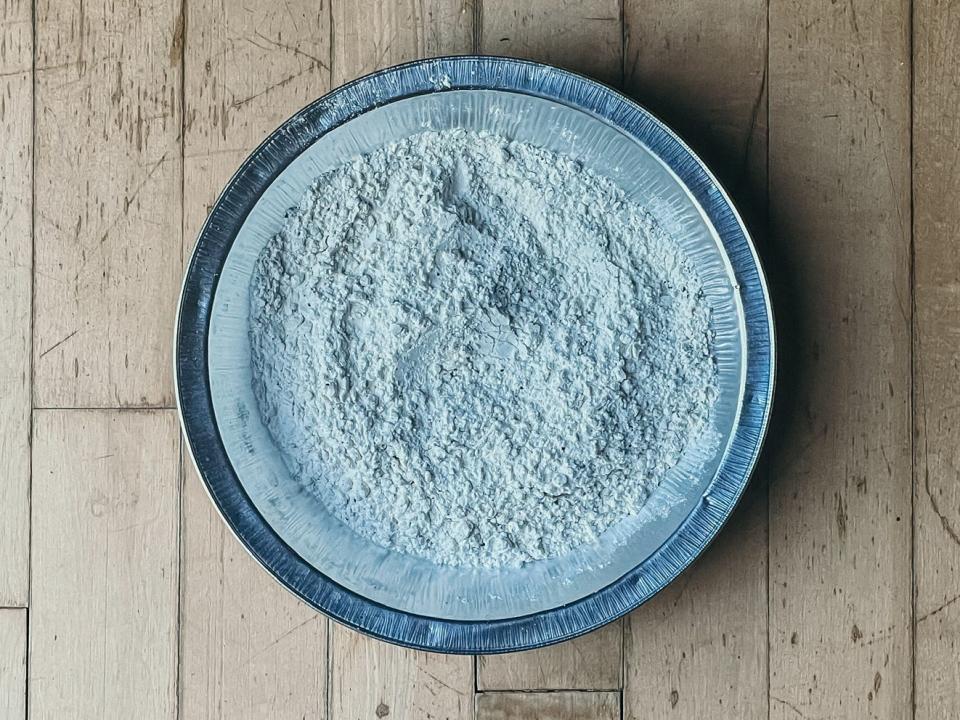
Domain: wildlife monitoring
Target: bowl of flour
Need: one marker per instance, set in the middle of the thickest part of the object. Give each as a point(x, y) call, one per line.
point(474, 355)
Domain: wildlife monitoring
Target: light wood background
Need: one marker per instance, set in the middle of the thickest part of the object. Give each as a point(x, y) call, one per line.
point(833, 593)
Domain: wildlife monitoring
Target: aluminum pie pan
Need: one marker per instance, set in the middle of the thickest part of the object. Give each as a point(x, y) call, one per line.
point(205, 434)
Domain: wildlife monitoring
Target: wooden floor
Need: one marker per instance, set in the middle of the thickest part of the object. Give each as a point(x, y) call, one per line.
point(833, 593)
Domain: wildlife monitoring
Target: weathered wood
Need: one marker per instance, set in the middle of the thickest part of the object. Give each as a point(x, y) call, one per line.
point(369, 678)
point(936, 366)
point(699, 649)
point(108, 263)
point(108, 191)
point(549, 706)
point(248, 648)
point(693, 651)
point(248, 68)
point(13, 664)
point(591, 662)
point(103, 604)
point(16, 217)
point(372, 679)
point(584, 36)
point(840, 595)
point(372, 34)
point(580, 35)
point(701, 67)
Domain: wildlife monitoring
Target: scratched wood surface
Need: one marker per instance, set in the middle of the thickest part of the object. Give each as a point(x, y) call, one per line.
point(840, 502)
point(16, 218)
point(549, 706)
point(580, 35)
point(13, 662)
point(108, 202)
point(701, 646)
point(585, 36)
point(936, 359)
point(372, 34)
point(248, 649)
point(368, 678)
point(589, 663)
point(833, 593)
point(104, 571)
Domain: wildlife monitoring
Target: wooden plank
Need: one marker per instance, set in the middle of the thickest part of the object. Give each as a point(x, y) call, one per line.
point(248, 648)
point(369, 678)
point(699, 649)
point(840, 591)
point(103, 613)
point(108, 192)
point(701, 67)
point(692, 651)
point(373, 34)
point(584, 36)
point(248, 67)
point(16, 217)
point(549, 706)
point(936, 179)
point(580, 35)
point(372, 679)
point(13, 664)
point(591, 662)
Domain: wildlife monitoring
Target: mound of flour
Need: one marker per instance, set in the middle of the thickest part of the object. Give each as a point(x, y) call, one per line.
point(475, 351)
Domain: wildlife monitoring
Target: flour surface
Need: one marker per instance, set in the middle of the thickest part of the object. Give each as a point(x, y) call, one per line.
point(475, 351)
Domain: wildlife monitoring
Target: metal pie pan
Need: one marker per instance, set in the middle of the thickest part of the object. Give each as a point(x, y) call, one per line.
point(406, 600)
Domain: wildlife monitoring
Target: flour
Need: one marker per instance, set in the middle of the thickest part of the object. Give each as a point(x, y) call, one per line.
point(475, 351)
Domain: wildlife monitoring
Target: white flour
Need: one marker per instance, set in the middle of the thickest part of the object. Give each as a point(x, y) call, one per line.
point(477, 352)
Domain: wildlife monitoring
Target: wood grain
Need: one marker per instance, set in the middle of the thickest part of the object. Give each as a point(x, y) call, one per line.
point(549, 706)
point(372, 679)
point(103, 613)
point(248, 67)
point(936, 366)
point(702, 68)
point(372, 34)
point(13, 664)
point(840, 598)
point(248, 648)
point(584, 36)
point(16, 217)
point(109, 247)
point(591, 662)
point(368, 678)
point(699, 649)
point(579, 35)
point(108, 190)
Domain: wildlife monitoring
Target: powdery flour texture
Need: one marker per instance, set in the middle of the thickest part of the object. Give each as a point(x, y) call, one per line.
point(476, 351)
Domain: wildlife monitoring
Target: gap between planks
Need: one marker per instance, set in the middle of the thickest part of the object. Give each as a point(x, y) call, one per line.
point(550, 691)
point(108, 408)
